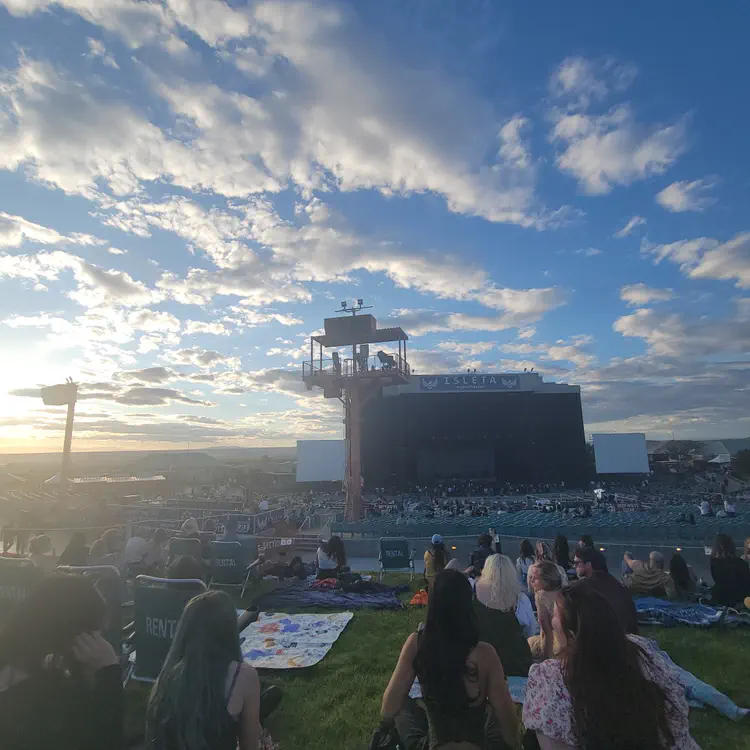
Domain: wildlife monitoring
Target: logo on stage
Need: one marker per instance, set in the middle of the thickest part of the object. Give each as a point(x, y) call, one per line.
point(470, 383)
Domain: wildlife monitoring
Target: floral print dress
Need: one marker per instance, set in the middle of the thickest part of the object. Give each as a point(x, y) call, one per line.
point(548, 708)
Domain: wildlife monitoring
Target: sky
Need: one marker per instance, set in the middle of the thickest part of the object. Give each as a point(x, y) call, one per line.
point(189, 187)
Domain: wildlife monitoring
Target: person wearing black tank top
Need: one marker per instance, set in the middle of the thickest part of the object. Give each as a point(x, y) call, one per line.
point(468, 705)
point(205, 695)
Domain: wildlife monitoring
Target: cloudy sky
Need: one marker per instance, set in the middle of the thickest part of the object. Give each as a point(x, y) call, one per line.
point(187, 187)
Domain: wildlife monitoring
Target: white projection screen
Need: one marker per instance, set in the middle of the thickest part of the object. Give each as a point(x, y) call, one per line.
point(321, 460)
point(621, 453)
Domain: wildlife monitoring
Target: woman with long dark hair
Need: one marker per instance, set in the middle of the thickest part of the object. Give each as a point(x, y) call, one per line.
point(524, 561)
point(459, 677)
point(436, 557)
point(561, 552)
point(205, 697)
point(76, 552)
point(60, 683)
point(331, 557)
point(685, 582)
point(605, 689)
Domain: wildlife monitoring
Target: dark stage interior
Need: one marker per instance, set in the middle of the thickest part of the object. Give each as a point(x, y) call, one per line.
point(520, 437)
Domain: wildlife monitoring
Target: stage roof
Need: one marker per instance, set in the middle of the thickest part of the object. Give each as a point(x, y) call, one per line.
point(107, 480)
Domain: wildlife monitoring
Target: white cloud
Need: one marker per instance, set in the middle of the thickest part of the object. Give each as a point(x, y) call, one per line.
point(638, 295)
point(686, 196)
point(707, 258)
point(602, 151)
point(212, 328)
point(589, 252)
point(16, 231)
point(467, 348)
point(574, 350)
point(98, 50)
point(580, 82)
point(632, 223)
point(208, 359)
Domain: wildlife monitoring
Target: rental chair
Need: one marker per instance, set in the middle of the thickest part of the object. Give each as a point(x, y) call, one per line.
point(395, 556)
point(18, 577)
point(227, 565)
point(179, 547)
point(159, 603)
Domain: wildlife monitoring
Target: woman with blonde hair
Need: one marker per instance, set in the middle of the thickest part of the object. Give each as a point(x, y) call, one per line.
point(544, 582)
point(504, 614)
point(542, 552)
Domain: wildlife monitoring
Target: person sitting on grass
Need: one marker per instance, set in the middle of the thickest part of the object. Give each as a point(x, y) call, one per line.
point(187, 567)
point(206, 696)
point(606, 689)
point(107, 549)
point(561, 553)
point(543, 552)
point(331, 557)
point(544, 583)
point(685, 581)
point(40, 548)
point(435, 559)
point(504, 614)
point(648, 579)
point(480, 554)
point(524, 561)
point(60, 681)
point(731, 574)
point(460, 676)
point(592, 572)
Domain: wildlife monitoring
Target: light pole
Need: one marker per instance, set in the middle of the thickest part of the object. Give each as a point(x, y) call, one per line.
point(64, 394)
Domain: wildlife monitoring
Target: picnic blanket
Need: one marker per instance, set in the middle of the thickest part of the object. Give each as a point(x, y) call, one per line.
point(282, 641)
point(653, 611)
point(301, 594)
point(699, 694)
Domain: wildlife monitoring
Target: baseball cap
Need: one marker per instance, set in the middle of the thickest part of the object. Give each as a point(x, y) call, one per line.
point(437, 539)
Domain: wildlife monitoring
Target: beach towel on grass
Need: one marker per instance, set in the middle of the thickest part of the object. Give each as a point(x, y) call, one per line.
point(652, 611)
point(282, 641)
point(301, 595)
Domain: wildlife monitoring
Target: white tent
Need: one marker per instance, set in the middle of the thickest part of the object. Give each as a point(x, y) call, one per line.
point(722, 458)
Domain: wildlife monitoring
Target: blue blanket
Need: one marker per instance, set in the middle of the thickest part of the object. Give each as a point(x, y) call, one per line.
point(300, 595)
point(652, 611)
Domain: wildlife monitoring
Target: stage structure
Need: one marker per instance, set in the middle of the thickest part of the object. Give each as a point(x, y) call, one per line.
point(355, 379)
point(64, 394)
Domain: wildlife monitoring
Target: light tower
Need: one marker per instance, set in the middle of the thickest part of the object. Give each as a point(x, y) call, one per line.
point(355, 379)
point(64, 394)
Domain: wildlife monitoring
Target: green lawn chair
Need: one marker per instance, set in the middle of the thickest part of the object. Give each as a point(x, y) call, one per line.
point(395, 556)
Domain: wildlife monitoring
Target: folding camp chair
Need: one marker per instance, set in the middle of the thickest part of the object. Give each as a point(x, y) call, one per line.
point(395, 556)
point(181, 547)
point(18, 577)
point(228, 566)
point(159, 603)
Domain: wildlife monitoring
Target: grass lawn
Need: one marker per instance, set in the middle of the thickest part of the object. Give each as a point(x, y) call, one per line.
point(335, 705)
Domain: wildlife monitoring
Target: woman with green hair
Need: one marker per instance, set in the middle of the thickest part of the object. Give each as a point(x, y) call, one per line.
point(206, 697)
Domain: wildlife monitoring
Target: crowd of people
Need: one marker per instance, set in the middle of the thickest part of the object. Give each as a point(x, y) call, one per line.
point(554, 614)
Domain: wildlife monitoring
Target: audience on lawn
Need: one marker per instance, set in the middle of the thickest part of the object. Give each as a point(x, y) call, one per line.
point(460, 677)
point(684, 579)
point(592, 572)
point(76, 552)
point(206, 696)
point(331, 557)
point(481, 553)
point(504, 614)
point(561, 553)
point(40, 549)
point(187, 567)
point(731, 574)
point(107, 549)
point(60, 684)
point(544, 583)
point(605, 689)
point(524, 561)
point(435, 559)
point(648, 579)
point(543, 552)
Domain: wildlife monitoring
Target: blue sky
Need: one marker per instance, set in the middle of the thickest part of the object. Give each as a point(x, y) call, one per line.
point(188, 187)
